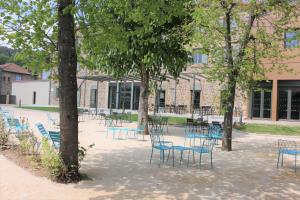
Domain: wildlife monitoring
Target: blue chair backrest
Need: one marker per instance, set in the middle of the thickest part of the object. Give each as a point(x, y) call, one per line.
point(42, 129)
point(13, 122)
point(156, 137)
point(208, 143)
point(215, 129)
point(55, 136)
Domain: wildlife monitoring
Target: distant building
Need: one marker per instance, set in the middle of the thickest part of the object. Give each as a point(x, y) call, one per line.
point(10, 73)
point(35, 92)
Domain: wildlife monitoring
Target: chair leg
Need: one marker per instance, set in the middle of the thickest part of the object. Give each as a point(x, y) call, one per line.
point(188, 161)
point(181, 152)
point(194, 157)
point(151, 156)
point(168, 155)
point(278, 159)
point(295, 163)
point(211, 164)
point(163, 155)
point(173, 157)
point(281, 159)
point(160, 156)
point(200, 160)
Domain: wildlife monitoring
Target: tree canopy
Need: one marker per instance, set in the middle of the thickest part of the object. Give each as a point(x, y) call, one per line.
point(239, 36)
point(145, 39)
point(128, 37)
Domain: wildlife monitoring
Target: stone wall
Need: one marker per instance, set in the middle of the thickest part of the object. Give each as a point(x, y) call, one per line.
point(8, 78)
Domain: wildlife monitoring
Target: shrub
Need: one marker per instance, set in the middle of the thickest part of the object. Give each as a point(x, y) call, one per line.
point(51, 160)
point(4, 135)
point(57, 169)
point(28, 143)
point(82, 152)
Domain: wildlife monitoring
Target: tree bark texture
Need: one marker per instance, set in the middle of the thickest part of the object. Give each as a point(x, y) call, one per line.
point(143, 101)
point(230, 87)
point(68, 88)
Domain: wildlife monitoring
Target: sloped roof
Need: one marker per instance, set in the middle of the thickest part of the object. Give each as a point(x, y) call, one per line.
point(14, 68)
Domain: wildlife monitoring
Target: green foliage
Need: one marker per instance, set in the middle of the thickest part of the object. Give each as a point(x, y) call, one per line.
point(31, 28)
point(128, 38)
point(51, 160)
point(4, 135)
point(254, 37)
point(48, 109)
point(8, 55)
point(82, 151)
point(28, 143)
point(270, 129)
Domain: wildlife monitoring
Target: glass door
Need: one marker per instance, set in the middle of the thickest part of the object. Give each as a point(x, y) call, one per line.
point(125, 96)
point(295, 104)
point(267, 104)
point(256, 104)
point(262, 104)
point(112, 95)
point(283, 104)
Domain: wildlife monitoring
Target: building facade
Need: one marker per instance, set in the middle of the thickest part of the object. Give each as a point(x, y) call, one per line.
point(9, 73)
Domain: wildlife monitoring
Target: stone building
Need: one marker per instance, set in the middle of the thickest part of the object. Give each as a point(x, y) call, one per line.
point(9, 73)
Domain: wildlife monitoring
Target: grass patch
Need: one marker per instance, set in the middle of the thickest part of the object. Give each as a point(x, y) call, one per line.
point(48, 109)
point(171, 120)
point(134, 117)
point(270, 129)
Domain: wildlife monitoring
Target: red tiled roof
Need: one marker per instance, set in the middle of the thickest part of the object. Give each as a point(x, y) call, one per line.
point(14, 68)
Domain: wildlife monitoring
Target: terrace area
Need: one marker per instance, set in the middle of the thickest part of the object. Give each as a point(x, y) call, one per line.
point(120, 169)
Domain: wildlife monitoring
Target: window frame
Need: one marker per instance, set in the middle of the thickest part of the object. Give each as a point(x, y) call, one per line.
point(289, 44)
point(18, 77)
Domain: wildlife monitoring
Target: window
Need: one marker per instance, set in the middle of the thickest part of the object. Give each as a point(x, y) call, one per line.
point(196, 97)
point(291, 39)
point(199, 58)
point(8, 79)
point(57, 92)
point(18, 77)
point(4, 78)
point(45, 75)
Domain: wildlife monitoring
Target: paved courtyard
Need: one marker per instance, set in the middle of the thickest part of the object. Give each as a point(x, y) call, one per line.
point(120, 169)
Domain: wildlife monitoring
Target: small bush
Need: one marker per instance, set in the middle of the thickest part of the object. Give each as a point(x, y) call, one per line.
point(3, 138)
point(28, 143)
point(4, 135)
point(82, 152)
point(51, 160)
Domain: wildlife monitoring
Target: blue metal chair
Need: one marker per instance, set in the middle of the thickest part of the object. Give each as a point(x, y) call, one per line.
point(42, 130)
point(15, 126)
point(289, 148)
point(158, 143)
point(206, 147)
point(181, 149)
point(111, 127)
point(53, 136)
point(140, 129)
point(215, 132)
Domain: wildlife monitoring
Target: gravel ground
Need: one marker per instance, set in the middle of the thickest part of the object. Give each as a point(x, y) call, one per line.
point(120, 169)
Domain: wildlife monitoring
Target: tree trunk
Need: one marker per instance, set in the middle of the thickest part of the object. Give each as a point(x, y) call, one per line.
point(231, 83)
point(228, 116)
point(143, 101)
point(68, 89)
